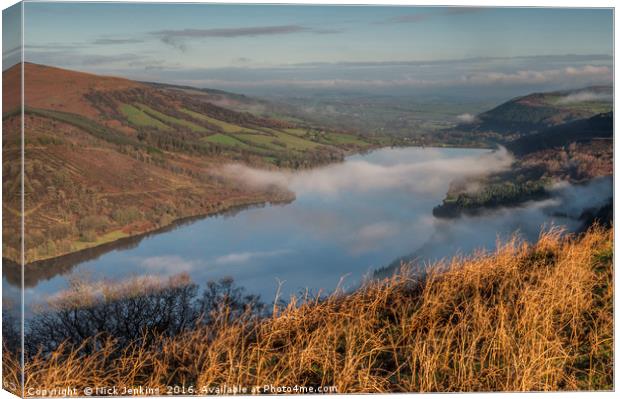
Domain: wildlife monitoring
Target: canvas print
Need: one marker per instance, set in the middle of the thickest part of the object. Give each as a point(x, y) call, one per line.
point(218, 199)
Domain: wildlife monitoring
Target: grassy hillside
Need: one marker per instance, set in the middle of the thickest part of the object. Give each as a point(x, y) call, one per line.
point(522, 318)
point(537, 111)
point(110, 157)
point(179, 119)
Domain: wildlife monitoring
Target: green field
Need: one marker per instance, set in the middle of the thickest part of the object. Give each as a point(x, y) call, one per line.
point(102, 132)
point(295, 142)
point(223, 139)
point(262, 140)
point(170, 119)
point(225, 126)
point(340, 138)
point(137, 117)
point(297, 131)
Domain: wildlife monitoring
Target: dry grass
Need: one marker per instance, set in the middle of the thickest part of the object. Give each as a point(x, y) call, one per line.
point(523, 318)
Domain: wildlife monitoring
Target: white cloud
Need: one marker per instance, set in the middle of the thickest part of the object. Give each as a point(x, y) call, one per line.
point(585, 96)
point(245, 257)
point(537, 77)
point(167, 264)
point(466, 118)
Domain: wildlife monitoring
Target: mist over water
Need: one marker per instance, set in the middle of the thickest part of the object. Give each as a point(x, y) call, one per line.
point(425, 174)
point(347, 221)
point(565, 210)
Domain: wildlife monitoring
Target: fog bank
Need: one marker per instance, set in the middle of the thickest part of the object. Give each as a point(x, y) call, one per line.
point(422, 176)
point(466, 234)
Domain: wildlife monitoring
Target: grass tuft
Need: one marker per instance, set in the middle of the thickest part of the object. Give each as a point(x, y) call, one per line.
point(526, 317)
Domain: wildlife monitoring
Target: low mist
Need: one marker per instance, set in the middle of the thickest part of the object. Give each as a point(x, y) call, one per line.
point(421, 176)
point(469, 233)
point(585, 96)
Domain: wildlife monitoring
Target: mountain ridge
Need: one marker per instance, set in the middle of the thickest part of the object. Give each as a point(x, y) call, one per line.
point(530, 113)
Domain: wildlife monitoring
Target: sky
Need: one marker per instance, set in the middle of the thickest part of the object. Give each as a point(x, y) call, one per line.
point(254, 48)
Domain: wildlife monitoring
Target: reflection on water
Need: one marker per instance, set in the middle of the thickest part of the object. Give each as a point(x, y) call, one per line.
point(49, 268)
point(347, 229)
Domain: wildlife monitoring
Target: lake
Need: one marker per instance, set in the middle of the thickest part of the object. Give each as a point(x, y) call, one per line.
point(347, 221)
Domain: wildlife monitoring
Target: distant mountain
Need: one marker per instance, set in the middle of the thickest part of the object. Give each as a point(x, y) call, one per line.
point(600, 126)
point(537, 111)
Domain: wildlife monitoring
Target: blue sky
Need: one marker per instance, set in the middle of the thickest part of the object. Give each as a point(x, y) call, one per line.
point(248, 46)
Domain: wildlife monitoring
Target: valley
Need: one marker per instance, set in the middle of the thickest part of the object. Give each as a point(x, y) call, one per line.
point(112, 158)
point(284, 198)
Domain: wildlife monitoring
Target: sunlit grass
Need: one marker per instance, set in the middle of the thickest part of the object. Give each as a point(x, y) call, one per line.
point(225, 126)
point(170, 119)
point(521, 318)
point(102, 239)
point(137, 117)
point(224, 139)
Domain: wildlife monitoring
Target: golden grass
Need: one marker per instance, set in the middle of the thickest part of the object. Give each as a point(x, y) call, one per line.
point(523, 318)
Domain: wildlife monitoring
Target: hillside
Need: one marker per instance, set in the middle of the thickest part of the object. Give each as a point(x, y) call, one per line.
point(109, 158)
point(525, 317)
point(574, 152)
point(598, 127)
point(239, 102)
point(537, 111)
point(562, 136)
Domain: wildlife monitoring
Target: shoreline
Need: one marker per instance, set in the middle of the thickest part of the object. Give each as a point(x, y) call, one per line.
point(175, 223)
point(101, 247)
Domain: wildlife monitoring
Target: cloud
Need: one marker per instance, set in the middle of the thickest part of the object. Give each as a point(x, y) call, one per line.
point(584, 96)
point(167, 264)
point(176, 38)
point(466, 118)
point(245, 257)
point(173, 264)
point(106, 41)
point(425, 176)
point(231, 32)
point(83, 292)
point(587, 70)
point(537, 77)
point(529, 72)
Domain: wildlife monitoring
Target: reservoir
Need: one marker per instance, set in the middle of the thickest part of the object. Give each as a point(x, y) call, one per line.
point(347, 221)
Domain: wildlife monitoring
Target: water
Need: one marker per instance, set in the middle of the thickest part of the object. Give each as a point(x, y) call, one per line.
point(362, 215)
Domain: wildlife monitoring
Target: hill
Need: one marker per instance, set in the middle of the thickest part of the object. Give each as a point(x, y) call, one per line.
point(109, 157)
point(575, 152)
point(600, 126)
point(537, 111)
point(525, 317)
point(240, 102)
